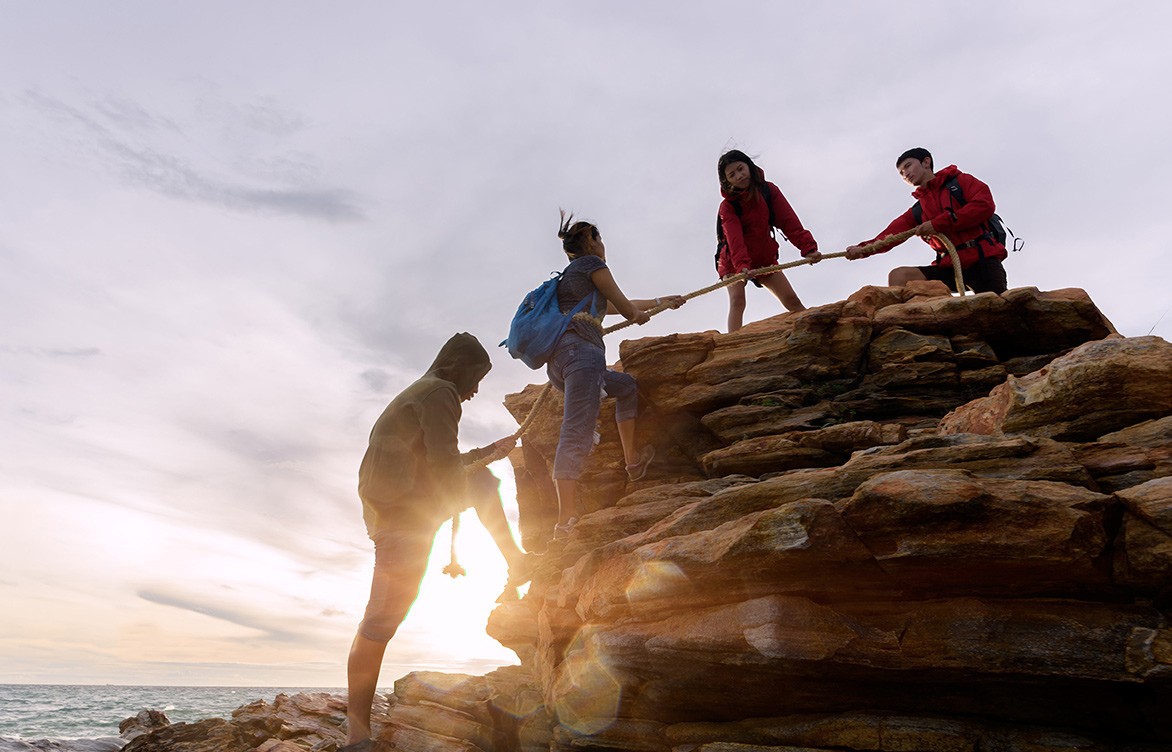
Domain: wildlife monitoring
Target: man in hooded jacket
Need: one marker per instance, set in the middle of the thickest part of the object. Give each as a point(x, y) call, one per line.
point(411, 480)
point(965, 224)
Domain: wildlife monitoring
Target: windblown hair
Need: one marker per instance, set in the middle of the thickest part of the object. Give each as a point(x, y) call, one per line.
point(575, 234)
point(736, 155)
point(919, 154)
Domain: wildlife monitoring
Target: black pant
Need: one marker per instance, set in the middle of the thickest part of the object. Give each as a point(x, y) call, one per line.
point(987, 275)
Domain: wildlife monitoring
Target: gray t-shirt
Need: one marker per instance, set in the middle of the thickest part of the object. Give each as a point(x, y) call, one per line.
point(575, 284)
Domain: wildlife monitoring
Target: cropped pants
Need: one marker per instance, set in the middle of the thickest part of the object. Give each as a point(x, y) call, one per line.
point(578, 369)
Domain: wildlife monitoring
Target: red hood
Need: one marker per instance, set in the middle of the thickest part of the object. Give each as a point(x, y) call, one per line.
point(937, 180)
point(738, 195)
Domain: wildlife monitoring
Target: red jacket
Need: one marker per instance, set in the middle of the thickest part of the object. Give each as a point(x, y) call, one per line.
point(960, 224)
point(751, 244)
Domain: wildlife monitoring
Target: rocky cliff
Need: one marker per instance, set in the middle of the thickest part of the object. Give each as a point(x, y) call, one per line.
point(905, 521)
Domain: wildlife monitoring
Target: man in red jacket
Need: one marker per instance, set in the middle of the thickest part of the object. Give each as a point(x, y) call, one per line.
point(955, 205)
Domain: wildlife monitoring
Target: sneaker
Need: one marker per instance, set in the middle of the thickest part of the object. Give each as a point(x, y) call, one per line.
point(562, 530)
point(639, 469)
point(522, 572)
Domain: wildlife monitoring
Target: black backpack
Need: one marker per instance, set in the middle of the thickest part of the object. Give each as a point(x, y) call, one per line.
point(994, 228)
point(722, 243)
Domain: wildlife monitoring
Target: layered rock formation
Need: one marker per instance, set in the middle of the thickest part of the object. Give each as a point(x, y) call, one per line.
point(905, 521)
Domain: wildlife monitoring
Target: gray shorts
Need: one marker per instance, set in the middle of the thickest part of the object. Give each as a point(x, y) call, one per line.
point(400, 561)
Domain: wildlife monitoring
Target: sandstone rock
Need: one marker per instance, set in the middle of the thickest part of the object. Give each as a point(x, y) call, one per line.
point(802, 655)
point(822, 447)
point(143, 722)
point(211, 735)
point(948, 532)
point(1152, 434)
point(816, 344)
point(1143, 555)
point(1018, 323)
point(1098, 387)
point(803, 546)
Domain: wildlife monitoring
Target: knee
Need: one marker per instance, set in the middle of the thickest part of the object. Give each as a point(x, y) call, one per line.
point(901, 275)
point(381, 627)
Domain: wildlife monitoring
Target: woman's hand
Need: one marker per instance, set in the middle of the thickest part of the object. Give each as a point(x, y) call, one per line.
point(671, 301)
point(814, 257)
point(854, 252)
point(639, 317)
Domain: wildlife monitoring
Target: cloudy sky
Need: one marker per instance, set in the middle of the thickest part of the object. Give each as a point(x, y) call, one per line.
point(231, 232)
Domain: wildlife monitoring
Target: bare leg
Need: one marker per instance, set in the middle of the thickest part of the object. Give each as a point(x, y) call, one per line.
point(567, 499)
point(780, 286)
point(627, 439)
point(366, 658)
point(901, 275)
point(491, 514)
point(736, 306)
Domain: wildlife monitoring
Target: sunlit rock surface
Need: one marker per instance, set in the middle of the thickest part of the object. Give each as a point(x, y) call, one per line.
point(904, 521)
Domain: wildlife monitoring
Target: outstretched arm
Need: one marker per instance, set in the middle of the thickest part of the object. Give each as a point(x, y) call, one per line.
point(616, 301)
point(902, 223)
point(789, 224)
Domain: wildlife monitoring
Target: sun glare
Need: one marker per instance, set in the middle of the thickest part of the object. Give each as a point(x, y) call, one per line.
point(445, 629)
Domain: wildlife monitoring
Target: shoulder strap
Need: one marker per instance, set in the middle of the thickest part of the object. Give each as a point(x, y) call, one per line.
point(768, 195)
point(953, 188)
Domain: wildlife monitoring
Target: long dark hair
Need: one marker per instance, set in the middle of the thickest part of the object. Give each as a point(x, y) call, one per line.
point(736, 155)
point(575, 234)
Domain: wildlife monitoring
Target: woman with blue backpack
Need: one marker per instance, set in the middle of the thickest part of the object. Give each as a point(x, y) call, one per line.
point(577, 366)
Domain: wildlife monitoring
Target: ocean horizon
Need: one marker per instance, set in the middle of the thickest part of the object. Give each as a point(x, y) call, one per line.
point(31, 712)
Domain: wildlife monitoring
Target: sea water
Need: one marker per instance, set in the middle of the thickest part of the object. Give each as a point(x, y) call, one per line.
point(56, 711)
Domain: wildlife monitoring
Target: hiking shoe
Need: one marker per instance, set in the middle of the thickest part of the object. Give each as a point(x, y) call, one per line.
point(562, 529)
point(522, 572)
point(639, 469)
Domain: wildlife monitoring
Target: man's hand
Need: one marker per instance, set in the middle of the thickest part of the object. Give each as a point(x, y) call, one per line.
point(673, 301)
point(854, 252)
point(814, 257)
point(926, 229)
point(640, 317)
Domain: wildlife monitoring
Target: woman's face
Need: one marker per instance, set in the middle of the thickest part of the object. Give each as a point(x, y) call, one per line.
point(738, 176)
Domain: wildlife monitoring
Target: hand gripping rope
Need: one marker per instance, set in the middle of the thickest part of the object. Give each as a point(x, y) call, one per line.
point(454, 569)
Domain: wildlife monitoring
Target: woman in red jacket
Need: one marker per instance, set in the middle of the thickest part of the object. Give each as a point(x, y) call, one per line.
point(745, 233)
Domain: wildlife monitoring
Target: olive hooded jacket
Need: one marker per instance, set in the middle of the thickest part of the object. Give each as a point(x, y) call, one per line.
point(413, 471)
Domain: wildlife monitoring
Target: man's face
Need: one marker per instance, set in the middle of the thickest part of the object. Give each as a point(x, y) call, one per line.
point(475, 387)
point(914, 171)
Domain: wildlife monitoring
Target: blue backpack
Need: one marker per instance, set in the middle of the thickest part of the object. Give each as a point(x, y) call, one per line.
point(539, 323)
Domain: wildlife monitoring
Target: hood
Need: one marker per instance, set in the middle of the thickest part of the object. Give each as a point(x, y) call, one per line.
point(937, 180)
point(738, 196)
point(463, 361)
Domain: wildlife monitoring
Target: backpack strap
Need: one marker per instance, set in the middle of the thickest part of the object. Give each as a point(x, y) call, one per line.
point(768, 196)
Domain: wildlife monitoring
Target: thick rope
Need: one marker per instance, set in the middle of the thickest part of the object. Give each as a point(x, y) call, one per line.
point(885, 242)
point(455, 570)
